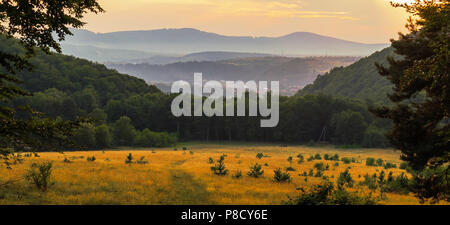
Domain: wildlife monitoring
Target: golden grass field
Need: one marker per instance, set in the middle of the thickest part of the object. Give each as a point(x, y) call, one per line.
point(184, 177)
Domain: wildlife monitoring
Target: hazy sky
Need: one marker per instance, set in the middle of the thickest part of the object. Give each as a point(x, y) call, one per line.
point(368, 21)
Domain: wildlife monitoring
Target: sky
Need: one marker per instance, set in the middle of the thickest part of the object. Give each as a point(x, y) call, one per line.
point(366, 21)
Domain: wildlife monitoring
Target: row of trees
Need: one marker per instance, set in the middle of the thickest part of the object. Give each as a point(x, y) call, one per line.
point(303, 119)
point(120, 133)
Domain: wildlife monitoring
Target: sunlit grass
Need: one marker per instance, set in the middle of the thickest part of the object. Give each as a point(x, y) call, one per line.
point(184, 177)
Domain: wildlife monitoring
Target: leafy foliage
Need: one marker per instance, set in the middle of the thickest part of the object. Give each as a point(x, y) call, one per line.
point(326, 194)
point(219, 168)
point(421, 97)
point(40, 174)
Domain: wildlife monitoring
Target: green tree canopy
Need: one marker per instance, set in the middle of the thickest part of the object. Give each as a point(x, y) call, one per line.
point(421, 124)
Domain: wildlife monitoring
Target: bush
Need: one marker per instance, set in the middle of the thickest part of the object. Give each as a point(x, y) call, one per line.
point(400, 184)
point(255, 171)
point(219, 168)
point(380, 162)
point(301, 159)
point(326, 157)
point(317, 156)
point(335, 157)
point(345, 179)
point(259, 155)
point(370, 162)
point(319, 166)
point(370, 182)
point(290, 168)
point(390, 165)
point(129, 159)
point(326, 194)
point(346, 160)
point(91, 159)
point(40, 175)
point(319, 173)
point(210, 160)
point(280, 176)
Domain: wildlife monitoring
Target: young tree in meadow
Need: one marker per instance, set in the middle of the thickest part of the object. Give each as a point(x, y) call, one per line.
point(421, 96)
point(34, 25)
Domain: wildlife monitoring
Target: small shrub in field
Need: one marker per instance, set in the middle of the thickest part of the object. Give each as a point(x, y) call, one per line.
point(191, 152)
point(255, 171)
point(380, 162)
point(326, 157)
point(334, 157)
point(142, 161)
point(400, 184)
point(390, 165)
point(36, 155)
point(311, 158)
point(301, 159)
point(266, 164)
point(370, 162)
point(327, 167)
point(129, 159)
point(345, 179)
point(91, 159)
point(280, 176)
point(336, 164)
point(66, 160)
point(326, 194)
point(210, 160)
point(304, 174)
point(184, 148)
point(317, 156)
point(370, 182)
point(40, 175)
point(290, 169)
point(319, 166)
point(346, 160)
point(319, 173)
point(219, 168)
point(259, 155)
point(237, 174)
point(311, 172)
point(28, 154)
point(289, 159)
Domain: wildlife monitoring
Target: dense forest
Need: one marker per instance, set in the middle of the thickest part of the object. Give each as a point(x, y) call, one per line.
point(359, 80)
point(128, 112)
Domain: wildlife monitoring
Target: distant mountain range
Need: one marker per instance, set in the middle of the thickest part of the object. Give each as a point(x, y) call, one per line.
point(105, 47)
point(293, 73)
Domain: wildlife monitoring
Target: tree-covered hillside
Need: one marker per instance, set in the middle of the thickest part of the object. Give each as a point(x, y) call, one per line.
point(128, 112)
point(359, 80)
point(77, 78)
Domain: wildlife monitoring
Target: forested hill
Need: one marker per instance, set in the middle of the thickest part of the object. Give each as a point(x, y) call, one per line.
point(73, 76)
point(359, 80)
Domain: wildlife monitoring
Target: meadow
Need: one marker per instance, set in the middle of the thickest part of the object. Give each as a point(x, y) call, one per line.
point(182, 175)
